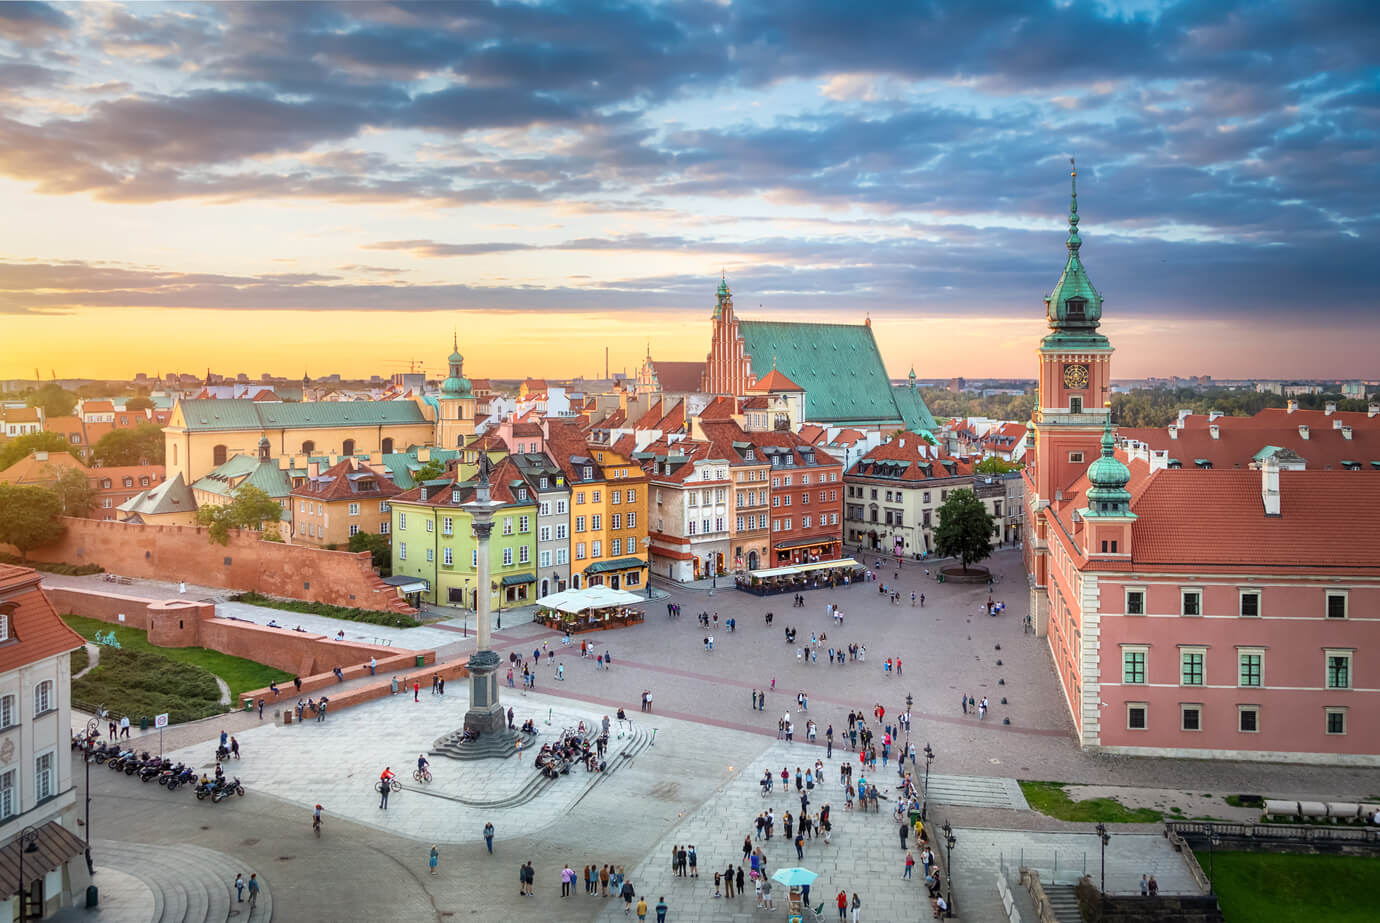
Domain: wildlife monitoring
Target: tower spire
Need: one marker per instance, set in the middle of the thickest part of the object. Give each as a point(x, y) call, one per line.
point(1074, 241)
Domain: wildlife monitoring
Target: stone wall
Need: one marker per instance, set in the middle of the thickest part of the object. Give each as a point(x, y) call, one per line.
point(186, 623)
point(246, 563)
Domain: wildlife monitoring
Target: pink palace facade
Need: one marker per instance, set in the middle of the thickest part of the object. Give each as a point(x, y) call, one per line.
point(1228, 613)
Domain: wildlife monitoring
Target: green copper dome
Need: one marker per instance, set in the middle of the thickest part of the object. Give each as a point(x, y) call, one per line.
point(1074, 308)
point(722, 296)
point(456, 385)
point(1109, 478)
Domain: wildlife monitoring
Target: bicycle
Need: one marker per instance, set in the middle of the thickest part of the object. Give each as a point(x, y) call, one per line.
point(420, 775)
point(393, 785)
point(316, 822)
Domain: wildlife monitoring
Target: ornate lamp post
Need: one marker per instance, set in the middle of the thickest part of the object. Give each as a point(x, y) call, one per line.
point(28, 843)
point(929, 758)
point(1105, 838)
point(949, 842)
point(485, 714)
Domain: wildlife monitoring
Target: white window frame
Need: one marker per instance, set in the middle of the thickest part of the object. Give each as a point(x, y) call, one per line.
point(630, 545)
point(431, 555)
point(9, 711)
point(1184, 594)
point(402, 520)
point(544, 559)
point(1327, 605)
point(448, 557)
point(45, 776)
point(4, 626)
point(1144, 651)
point(354, 528)
point(1126, 600)
point(507, 525)
point(1339, 710)
point(1184, 709)
point(45, 698)
point(385, 528)
point(524, 554)
point(1349, 655)
point(1193, 651)
point(1143, 706)
point(9, 787)
point(1242, 710)
point(1075, 458)
point(354, 509)
point(1241, 601)
point(508, 556)
point(596, 549)
point(447, 525)
point(402, 551)
point(616, 547)
point(1242, 652)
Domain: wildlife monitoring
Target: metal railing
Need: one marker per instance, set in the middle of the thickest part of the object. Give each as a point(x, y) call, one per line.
point(1055, 868)
point(1279, 833)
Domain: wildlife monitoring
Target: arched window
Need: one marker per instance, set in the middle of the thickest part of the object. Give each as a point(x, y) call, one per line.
point(174, 453)
point(308, 447)
point(347, 447)
point(388, 446)
point(218, 455)
point(43, 697)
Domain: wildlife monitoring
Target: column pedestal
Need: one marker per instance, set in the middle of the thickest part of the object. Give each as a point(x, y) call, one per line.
point(485, 714)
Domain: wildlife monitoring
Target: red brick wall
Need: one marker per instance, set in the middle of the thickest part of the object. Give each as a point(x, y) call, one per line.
point(296, 652)
point(174, 553)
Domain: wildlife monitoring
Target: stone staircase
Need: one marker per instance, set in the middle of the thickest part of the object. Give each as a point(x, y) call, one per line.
point(488, 746)
point(1063, 900)
point(190, 884)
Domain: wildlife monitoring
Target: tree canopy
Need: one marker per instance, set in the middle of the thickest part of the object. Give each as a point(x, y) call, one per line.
point(994, 465)
point(965, 528)
point(430, 471)
point(74, 492)
point(250, 508)
point(20, 446)
point(138, 403)
point(30, 517)
point(380, 551)
point(142, 444)
point(55, 401)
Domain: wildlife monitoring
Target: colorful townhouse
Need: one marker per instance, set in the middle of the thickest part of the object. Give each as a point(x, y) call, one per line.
point(433, 540)
point(333, 504)
point(608, 510)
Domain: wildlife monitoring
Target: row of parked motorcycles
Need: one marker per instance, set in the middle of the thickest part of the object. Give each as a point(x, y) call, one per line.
point(167, 774)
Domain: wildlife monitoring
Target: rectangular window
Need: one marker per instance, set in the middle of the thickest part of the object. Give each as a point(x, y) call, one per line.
point(544, 559)
point(1075, 458)
point(718, 524)
point(508, 556)
point(1135, 602)
point(1137, 716)
point(43, 697)
point(1248, 719)
point(579, 523)
point(544, 534)
point(615, 496)
point(447, 556)
point(1250, 603)
point(579, 551)
point(1191, 667)
point(474, 557)
point(524, 554)
point(632, 579)
point(740, 523)
point(1336, 720)
point(447, 526)
point(594, 496)
point(524, 524)
point(616, 547)
point(1338, 669)
point(45, 777)
point(354, 528)
point(384, 527)
point(383, 506)
point(402, 520)
point(9, 804)
point(430, 555)
point(805, 522)
point(788, 524)
point(691, 527)
point(507, 525)
point(560, 507)
point(1336, 604)
point(1191, 717)
point(630, 495)
point(631, 545)
point(596, 549)
point(617, 521)
point(545, 508)
point(9, 714)
point(562, 556)
point(1192, 602)
point(430, 525)
point(1133, 665)
point(562, 531)
point(596, 522)
point(1250, 666)
point(402, 551)
point(579, 497)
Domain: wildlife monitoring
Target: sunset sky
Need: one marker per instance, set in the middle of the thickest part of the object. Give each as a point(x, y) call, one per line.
point(280, 187)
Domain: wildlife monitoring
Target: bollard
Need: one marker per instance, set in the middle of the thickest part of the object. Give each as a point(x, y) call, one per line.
point(1006, 721)
point(998, 661)
point(548, 716)
point(998, 647)
point(1003, 700)
point(1001, 682)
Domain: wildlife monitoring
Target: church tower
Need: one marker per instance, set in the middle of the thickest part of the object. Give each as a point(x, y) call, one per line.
point(1075, 381)
point(455, 419)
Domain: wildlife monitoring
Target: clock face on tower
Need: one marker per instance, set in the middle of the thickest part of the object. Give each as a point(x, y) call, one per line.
point(1075, 376)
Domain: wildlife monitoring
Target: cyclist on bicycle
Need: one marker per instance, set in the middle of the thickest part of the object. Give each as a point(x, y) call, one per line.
point(316, 819)
point(422, 763)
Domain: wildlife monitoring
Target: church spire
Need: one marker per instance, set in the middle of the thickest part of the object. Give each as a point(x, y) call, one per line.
point(1074, 242)
point(1074, 308)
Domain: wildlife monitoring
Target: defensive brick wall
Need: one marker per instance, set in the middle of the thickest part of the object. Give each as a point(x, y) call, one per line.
point(246, 563)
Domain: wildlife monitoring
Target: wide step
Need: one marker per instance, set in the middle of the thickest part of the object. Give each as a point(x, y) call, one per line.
point(189, 883)
point(1063, 900)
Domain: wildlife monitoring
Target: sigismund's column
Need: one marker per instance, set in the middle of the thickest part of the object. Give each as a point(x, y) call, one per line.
point(485, 714)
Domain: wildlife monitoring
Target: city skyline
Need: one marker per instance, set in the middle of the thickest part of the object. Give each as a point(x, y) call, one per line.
point(323, 187)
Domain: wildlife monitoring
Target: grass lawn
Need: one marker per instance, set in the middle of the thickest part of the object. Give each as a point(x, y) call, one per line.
point(142, 684)
point(1255, 886)
point(81, 658)
point(1051, 798)
point(239, 674)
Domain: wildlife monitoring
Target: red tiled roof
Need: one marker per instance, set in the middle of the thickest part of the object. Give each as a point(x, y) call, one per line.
point(1240, 438)
point(36, 632)
point(266, 395)
point(625, 444)
point(913, 449)
point(848, 437)
point(336, 483)
point(651, 418)
point(721, 408)
point(503, 474)
point(812, 433)
point(97, 407)
point(525, 428)
point(776, 381)
point(674, 421)
point(757, 402)
point(1206, 517)
point(19, 414)
point(489, 442)
point(678, 377)
point(67, 426)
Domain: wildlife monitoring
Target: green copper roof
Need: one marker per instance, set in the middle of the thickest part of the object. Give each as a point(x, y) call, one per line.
point(1108, 477)
point(265, 475)
point(215, 414)
point(914, 411)
point(599, 567)
point(838, 365)
point(1074, 308)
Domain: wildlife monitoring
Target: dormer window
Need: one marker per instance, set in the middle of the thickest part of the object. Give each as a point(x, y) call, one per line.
point(454, 495)
point(522, 493)
point(750, 455)
point(1077, 308)
point(589, 472)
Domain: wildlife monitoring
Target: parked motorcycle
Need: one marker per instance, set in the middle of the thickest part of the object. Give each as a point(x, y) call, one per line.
point(227, 788)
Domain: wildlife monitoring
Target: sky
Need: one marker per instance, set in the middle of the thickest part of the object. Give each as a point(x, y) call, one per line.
point(303, 187)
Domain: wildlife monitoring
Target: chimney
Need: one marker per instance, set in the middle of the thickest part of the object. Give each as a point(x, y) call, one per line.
point(1215, 430)
point(1346, 432)
point(1184, 414)
point(1372, 409)
point(1303, 431)
point(1173, 431)
point(1337, 423)
point(1213, 415)
point(1293, 405)
point(314, 470)
point(1269, 486)
point(1330, 408)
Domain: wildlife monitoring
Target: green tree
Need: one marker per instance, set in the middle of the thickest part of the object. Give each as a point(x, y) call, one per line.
point(994, 465)
point(21, 446)
point(142, 444)
point(30, 517)
point(54, 400)
point(138, 403)
point(250, 508)
point(74, 492)
point(965, 528)
point(430, 471)
point(380, 551)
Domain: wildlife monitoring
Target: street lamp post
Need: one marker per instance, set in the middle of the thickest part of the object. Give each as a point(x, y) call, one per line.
point(28, 843)
point(93, 728)
point(949, 842)
point(1104, 838)
point(925, 804)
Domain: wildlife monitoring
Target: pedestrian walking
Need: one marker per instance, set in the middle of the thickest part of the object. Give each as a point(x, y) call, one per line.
point(489, 837)
point(253, 891)
point(842, 901)
point(239, 888)
point(856, 906)
point(661, 909)
point(416, 691)
point(628, 894)
point(432, 860)
point(910, 864)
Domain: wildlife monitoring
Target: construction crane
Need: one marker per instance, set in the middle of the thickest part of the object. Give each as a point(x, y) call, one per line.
point(414, 366)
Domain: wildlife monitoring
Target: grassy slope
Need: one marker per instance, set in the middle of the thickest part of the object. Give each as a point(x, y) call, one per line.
point(1294, 889)
point(1050, 798)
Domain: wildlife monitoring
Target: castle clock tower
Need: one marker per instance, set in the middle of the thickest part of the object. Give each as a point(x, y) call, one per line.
point(1075, 388)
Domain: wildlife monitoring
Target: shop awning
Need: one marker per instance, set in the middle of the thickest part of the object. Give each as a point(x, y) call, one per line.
point(792, 569)
point(603, 567)
point(515, 579)
point(807, 542)
point(55, 845)
point(408, 584)
point(593, 597)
